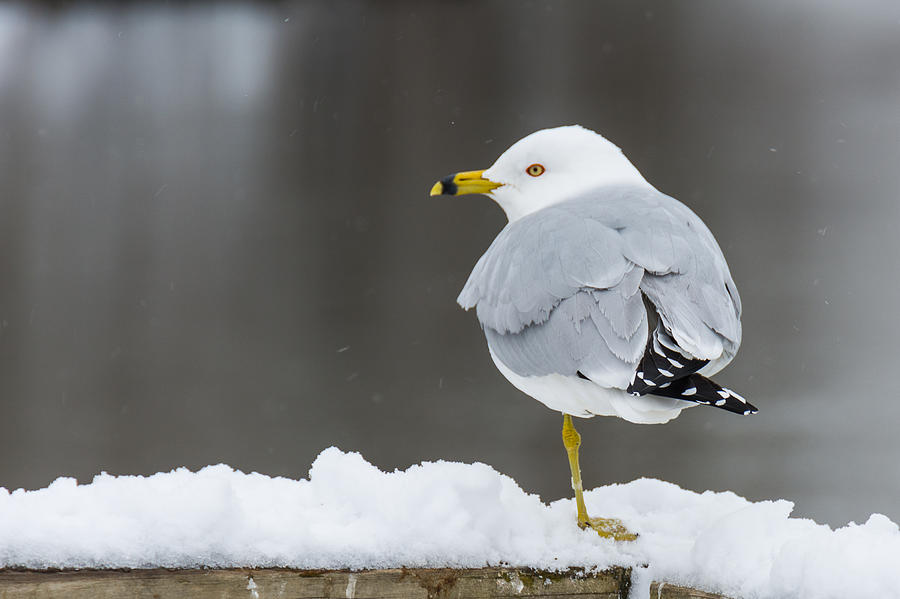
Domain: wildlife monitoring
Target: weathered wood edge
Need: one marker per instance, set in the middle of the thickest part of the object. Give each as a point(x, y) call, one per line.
point(267, 583)
point(663, 590)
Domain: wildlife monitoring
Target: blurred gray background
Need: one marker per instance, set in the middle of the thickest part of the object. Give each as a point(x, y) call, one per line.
point(216, 243)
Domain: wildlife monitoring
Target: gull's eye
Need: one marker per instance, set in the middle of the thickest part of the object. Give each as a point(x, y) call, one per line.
point(535, 170)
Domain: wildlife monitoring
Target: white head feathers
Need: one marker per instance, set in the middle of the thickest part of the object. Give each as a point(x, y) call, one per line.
point(552, 165)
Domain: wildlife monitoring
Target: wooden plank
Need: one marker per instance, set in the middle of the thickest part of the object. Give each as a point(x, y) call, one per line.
point(441, 583)
point(662, 590)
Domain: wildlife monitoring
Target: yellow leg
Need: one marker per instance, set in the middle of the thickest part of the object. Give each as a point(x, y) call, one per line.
point(609, 528)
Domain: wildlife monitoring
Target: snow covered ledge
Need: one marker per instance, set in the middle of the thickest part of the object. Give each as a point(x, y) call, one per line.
point(461, 523)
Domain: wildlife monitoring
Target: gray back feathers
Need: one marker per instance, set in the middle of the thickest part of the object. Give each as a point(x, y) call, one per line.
point(558, 291)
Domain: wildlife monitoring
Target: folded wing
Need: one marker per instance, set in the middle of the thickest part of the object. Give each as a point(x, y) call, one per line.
point(562, 290)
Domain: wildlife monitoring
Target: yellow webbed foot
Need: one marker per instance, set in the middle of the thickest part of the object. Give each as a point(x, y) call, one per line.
point(609, 528)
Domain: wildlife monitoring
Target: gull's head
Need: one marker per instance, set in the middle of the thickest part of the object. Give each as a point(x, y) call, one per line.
point(544, 168)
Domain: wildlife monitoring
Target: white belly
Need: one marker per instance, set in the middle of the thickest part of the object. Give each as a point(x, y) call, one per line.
point(583, 398)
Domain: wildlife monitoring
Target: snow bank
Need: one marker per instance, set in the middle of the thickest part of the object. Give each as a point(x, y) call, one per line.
point(348, 514)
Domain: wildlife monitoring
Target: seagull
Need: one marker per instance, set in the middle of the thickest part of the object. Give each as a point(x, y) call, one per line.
point(601, 296)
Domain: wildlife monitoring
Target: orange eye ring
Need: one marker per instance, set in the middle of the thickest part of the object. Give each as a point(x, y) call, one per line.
point(535, 170)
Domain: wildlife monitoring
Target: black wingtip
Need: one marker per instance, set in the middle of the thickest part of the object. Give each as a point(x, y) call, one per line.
point(699, 389)
point(665, 371)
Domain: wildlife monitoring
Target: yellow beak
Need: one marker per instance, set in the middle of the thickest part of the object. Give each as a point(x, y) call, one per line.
point(462, 183)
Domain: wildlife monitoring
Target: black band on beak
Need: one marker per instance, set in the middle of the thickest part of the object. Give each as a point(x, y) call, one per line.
point(448, 186)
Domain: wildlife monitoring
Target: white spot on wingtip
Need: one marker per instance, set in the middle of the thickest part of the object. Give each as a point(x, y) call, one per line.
point(720, 402)
point(665, 373)
point(690, 391)
point(664, 385)
point(675, 363)
point(723, 394)
point(736, 396)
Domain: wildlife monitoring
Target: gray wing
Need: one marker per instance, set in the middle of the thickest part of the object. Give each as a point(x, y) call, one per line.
point(559, 290)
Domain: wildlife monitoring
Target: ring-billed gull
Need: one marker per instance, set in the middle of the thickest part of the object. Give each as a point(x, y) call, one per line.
point(601, 296)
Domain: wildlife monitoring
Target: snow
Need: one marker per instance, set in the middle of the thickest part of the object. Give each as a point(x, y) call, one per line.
point(349, 514)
